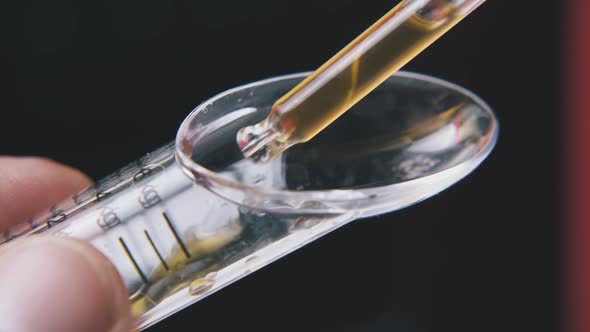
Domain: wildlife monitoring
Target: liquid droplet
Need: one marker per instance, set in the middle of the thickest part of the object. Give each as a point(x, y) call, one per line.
point(251, 259)
point(305, 223)
point(259, 178)
point(259, 213)
point(200, 286)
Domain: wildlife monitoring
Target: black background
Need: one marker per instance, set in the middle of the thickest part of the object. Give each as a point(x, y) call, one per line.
point(98, 84)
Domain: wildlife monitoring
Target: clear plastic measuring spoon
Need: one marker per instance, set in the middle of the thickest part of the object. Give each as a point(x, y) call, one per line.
point(195, 215)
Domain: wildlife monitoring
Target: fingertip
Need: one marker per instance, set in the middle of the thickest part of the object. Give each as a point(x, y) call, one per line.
point(58, 284)
point(31, 184)
point(46, 166)
point(79, 180)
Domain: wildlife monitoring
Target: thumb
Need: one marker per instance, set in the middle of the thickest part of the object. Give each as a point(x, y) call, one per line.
point(57, 284)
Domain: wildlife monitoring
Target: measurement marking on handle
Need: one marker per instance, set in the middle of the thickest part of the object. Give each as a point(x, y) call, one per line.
point(147, 235)
point(133, 261)
point(173, 230)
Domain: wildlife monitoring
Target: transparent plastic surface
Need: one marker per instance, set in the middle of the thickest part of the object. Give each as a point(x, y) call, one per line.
point(195, 216)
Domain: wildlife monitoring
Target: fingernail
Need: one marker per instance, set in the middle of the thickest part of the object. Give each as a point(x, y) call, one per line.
point(57, 284)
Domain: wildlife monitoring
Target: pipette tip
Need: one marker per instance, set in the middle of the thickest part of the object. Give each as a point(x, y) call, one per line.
point(259, 142)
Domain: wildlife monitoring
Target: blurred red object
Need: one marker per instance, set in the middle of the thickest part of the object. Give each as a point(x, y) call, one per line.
point(576, 128)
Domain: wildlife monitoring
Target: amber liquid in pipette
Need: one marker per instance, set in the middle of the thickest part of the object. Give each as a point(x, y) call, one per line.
point(298, 121)
point(366, 72)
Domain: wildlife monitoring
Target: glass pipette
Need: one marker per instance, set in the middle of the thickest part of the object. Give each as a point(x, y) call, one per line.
point(351, 74)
